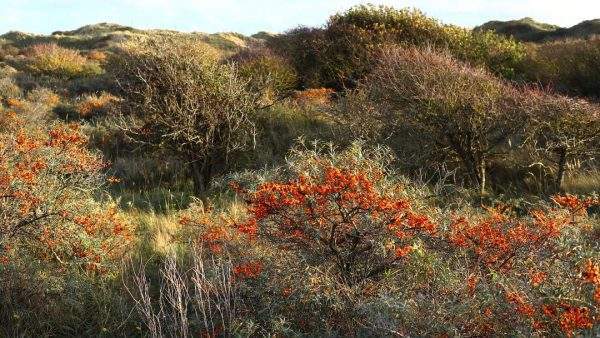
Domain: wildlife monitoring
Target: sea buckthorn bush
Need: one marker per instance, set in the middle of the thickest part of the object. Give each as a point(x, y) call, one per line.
point(47, 183)
point(54, 235)
point(337, 233)
point(537, 265)
point(338, 217)
point(90, 106)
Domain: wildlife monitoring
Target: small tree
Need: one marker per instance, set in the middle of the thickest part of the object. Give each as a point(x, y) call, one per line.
point(565, 128)
point(451, 106)
point(178, 96)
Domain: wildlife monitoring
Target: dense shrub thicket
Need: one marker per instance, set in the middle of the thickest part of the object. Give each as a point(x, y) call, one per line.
point(569, 66)
point(342, 53)
point(457, 114)
point(154, 185)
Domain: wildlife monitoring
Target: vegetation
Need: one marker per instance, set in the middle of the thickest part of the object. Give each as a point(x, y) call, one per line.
point(568, 66)
point(52, 60)
point(342, 53)
point(184, 100)
point(382, 175)
point(527, 29)
point(456, 109)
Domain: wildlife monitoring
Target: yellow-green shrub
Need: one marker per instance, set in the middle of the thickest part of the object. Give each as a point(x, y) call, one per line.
point(56, 61)
point(343, 52)
point(266, 71)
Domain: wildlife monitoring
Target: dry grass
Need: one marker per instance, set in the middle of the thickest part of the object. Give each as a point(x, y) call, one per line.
point(583, 183)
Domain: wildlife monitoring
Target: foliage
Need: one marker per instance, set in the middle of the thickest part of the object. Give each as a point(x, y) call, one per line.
point(569, 66)
point(63, 63)
point(474, 272)
point(339, 216)
point(342, 53)
point(46, 187)
point(513, 254)
point(95, 105)
point(566, 129)
point(451, 106)
point(183, 99)
point(266, 72)
point(314, 239)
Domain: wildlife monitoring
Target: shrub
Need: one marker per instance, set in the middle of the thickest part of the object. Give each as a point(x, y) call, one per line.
point(95, 105)
point(570, 66)
point(337, 217)
point(57, 244)
point(63, 63)
point(7, 50)
point(564, 128)
point(44, 96)
point(342, 53)
point(96, 55)
point(480, 272)
point(510, 257)
point(9, 89)
point(303, 47)
point(266, 72)
point(47, 207)
point(8, 86)
point(183, 99)
point(451, 107)
point(314, 97)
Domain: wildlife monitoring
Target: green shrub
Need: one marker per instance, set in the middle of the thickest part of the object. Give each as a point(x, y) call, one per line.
point(343, 52)
point(266, 72)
